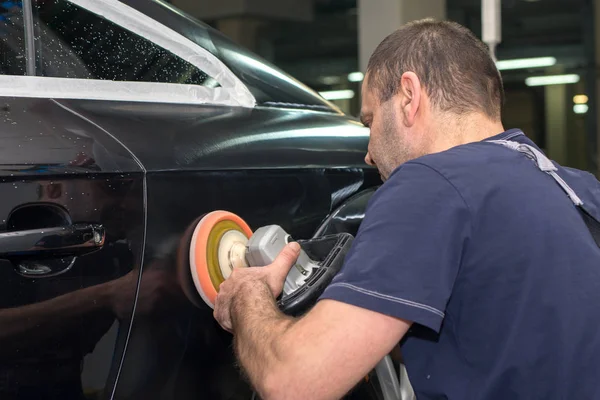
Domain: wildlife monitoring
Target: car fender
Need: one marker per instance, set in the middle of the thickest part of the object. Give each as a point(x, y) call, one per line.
point(348, 216)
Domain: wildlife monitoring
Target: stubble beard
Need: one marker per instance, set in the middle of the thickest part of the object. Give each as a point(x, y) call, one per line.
point(393, 150)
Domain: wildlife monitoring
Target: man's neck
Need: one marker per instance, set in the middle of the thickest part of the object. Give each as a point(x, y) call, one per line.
point(451, 131)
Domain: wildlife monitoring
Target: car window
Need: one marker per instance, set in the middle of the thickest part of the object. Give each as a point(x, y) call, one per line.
point(72, 42)
point(12, 39)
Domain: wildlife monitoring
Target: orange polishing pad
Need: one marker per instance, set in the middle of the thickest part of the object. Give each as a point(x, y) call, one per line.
point(214, 237)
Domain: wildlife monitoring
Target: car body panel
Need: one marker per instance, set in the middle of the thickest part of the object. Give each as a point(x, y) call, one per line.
point(199, 137)
point(59, 339)
point(349, 215)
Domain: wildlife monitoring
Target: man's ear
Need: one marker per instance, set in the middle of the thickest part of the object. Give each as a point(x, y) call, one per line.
point(410, 88)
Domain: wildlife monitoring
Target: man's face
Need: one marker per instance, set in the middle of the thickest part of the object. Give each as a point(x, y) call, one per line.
point(388, 147)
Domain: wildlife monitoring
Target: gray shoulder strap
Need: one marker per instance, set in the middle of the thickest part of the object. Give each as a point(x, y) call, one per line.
point(543, 163)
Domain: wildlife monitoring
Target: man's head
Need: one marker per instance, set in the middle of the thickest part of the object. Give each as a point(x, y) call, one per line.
point(423, 78)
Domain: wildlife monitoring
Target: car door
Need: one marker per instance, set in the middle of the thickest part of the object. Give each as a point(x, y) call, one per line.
point(71, 236)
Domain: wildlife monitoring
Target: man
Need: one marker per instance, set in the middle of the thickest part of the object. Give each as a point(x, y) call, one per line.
point(469, 254)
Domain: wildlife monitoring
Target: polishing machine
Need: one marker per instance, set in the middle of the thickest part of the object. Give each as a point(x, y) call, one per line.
point(220, 241)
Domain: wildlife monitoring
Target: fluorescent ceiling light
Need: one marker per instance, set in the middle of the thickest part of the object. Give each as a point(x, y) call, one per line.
point(552, 80)
point(580, 108)
point(580, 99)
point(337, 94)
point(521, 63)
point(330, 80)
point(356, 76)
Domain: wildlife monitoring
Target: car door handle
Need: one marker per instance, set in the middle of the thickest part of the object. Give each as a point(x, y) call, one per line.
point(58, 242)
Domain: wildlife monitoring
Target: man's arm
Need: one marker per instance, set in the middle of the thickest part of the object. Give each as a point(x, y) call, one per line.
point(402, 267)
point(319, 356)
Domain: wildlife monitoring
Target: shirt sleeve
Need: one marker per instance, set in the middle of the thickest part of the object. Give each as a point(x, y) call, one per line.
point(407, 252)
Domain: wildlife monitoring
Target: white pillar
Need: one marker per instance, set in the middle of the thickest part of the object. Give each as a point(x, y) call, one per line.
point(379, 18)
point(556, 122)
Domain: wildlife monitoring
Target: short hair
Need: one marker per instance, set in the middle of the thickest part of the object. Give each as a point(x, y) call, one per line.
point(454, 66)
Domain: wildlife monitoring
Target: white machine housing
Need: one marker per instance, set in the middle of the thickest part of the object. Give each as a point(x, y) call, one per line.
point(266, 244)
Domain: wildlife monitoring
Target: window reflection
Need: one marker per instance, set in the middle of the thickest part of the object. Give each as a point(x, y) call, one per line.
point(12, 38)
point(72, 42)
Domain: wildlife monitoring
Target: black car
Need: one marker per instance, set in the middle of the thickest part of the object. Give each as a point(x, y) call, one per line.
point(122, 122)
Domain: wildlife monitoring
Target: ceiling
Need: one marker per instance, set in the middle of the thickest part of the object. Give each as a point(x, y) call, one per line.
point(328, 45)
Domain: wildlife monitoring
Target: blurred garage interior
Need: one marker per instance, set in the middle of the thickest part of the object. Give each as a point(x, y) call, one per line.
point(326, 44)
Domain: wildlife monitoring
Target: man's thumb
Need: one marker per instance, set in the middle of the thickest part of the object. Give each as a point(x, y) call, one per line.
point(287, 257)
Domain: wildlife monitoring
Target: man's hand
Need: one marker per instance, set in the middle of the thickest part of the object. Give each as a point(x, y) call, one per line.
point(243, 280)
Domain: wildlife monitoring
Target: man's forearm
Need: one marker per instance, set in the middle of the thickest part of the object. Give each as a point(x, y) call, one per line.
point(259, 326)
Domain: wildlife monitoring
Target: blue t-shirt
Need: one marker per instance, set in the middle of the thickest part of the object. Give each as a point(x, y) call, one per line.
point(493, 263)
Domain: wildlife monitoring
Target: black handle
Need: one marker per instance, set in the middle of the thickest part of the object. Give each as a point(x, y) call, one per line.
point(329, 252)
point(59, 242)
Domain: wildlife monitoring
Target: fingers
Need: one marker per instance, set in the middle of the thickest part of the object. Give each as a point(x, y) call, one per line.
point(222, 312)
point(223, 318)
